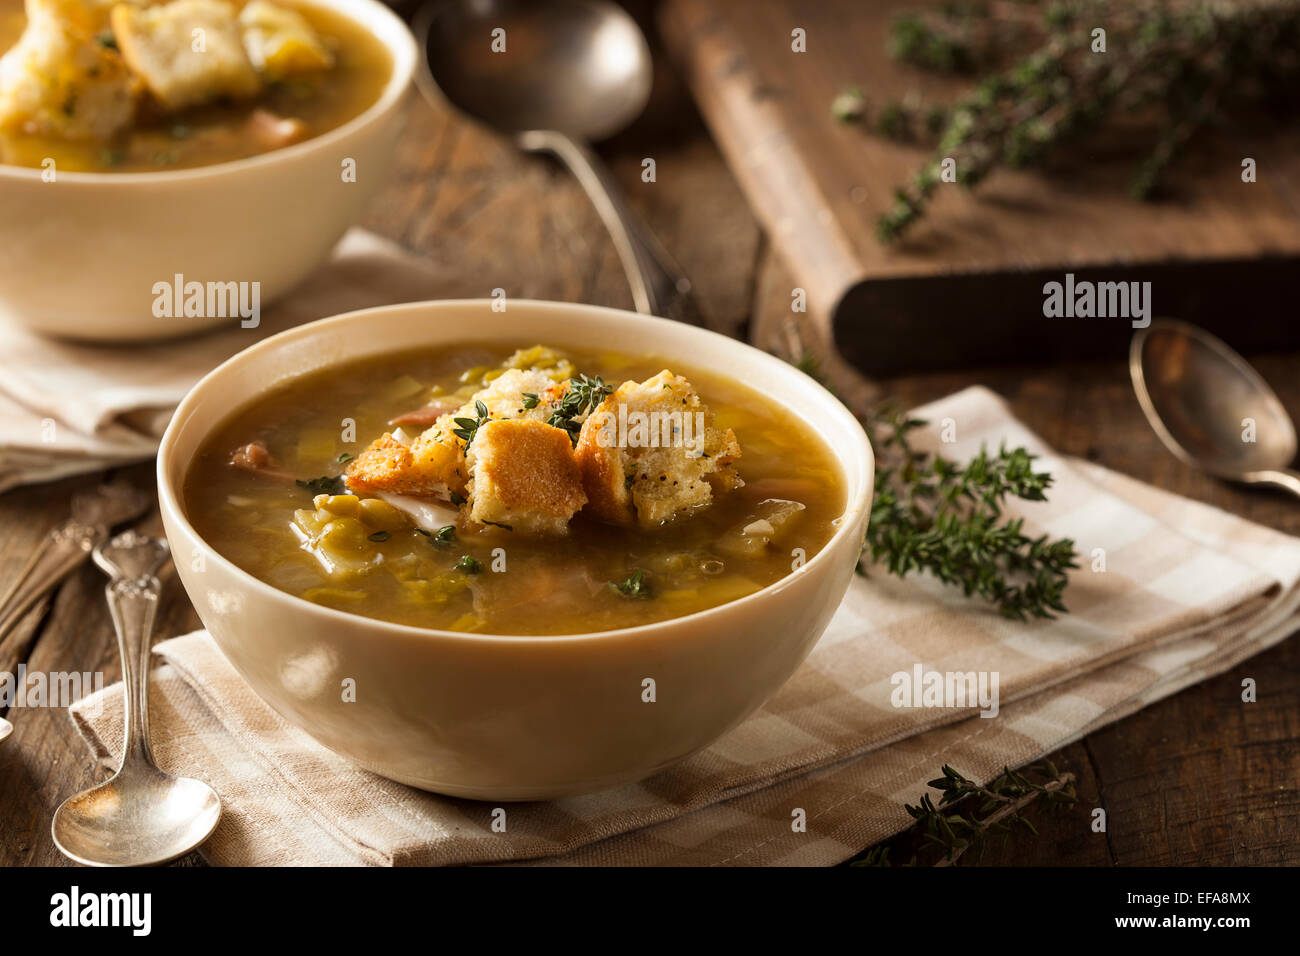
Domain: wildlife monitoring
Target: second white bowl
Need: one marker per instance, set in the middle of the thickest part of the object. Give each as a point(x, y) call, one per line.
point(80, 256)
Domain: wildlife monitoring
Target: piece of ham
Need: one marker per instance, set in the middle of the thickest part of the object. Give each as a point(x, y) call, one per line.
point(251, 457)
point(270, 131)
point(426, 415)
point(255, 459)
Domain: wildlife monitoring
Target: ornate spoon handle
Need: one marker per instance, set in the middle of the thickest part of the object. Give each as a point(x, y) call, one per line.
point(133, 603)
point(69, 545)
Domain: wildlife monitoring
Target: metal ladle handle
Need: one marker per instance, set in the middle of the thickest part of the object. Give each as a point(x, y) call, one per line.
point(659, 287)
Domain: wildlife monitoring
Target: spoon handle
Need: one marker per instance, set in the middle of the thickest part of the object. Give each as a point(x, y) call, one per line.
point(133, 603)
point(67, 547)
point(659, 287)
point(1283, 478)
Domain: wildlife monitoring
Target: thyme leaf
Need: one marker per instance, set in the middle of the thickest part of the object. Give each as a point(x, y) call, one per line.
point(324, 485)
point(635, 586)
point(469, 426)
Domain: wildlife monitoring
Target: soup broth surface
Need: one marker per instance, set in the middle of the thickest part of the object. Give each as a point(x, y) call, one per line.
point(597, 577)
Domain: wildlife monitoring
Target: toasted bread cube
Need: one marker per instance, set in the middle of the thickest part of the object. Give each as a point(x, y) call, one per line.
point(59, 80)
point(280, 42)
point(425, 468)
point(508, 396)
point(650, 453)
point(83, 17)
point(187, 52)
point(524, 474)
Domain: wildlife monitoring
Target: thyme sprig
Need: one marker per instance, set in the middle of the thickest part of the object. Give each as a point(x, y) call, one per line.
point(583, 395)
point(931, 514)
point(968, 816)
point(1193, 62)
point(469, 426)
point(324, 485)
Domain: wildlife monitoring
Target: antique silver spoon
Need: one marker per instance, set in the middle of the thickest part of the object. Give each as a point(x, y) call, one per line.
point(142, 816)
point(555, 74)
point(1211, 408)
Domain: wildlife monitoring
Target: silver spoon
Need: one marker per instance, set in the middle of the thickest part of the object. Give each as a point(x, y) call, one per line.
point(571, 71)
point(142, 816)
point(1211, 408)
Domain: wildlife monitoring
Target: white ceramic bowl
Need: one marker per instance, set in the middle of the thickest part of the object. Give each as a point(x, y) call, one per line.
point(499, 717)
point(79, 256)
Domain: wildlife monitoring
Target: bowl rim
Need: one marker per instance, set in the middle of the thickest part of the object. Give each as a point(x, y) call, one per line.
point(171, 506)
point(396, 39)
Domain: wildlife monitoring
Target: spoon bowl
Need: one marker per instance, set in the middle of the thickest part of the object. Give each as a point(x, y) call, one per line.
point(554, 75)
point(1210, 408)
point(580, 67)
point(142, 816)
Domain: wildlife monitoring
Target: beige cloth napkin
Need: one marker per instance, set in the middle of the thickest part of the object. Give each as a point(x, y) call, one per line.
point(67, 408)
point(1187, 592)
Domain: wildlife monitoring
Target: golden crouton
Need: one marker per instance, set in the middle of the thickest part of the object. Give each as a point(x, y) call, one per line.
point(523, 474)
point(434, 464)
point(280, 42)
point(83, 17)
point(187, 52)
point(517, 393)
point(62, 80)
point(425, 468)
point(650, 452)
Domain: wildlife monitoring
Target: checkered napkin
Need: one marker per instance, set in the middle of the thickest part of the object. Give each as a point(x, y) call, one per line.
point(1186, 592)
point(68, 408)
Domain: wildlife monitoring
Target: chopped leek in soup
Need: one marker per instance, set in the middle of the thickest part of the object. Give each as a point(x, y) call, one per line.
point(539, 491)
point(142, 85)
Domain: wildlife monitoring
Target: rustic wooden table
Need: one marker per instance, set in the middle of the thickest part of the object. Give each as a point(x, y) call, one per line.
point(1200, 778)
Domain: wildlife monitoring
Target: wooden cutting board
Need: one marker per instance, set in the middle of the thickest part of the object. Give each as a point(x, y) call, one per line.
point(967, 283)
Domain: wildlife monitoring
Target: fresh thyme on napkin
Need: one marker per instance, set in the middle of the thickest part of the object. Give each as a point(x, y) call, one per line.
point(932, 514)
